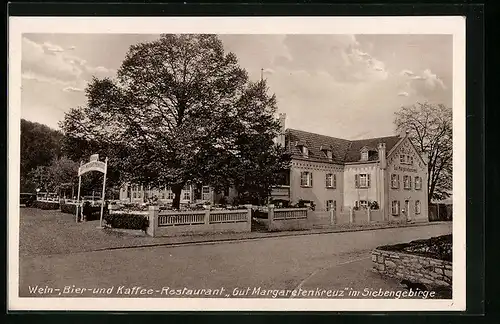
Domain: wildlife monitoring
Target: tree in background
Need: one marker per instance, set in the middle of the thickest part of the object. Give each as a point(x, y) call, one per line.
point(430, 128)
point(40, 145)
point(180, 111)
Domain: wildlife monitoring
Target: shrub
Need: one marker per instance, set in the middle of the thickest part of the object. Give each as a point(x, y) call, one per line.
point(127, 221)
point(46, 205)
point(68, 208)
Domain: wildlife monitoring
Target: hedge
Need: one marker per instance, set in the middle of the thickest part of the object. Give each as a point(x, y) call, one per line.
point(68, 208)
point(127, 221)
point(46, 205)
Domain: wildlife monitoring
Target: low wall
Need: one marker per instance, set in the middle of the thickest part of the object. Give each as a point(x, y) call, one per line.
point(289, 219)
point(172, 223)
point(428, 271)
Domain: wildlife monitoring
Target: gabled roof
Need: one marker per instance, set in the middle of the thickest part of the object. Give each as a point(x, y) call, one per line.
point(342, 150)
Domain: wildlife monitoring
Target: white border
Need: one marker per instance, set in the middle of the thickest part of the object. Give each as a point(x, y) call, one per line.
point(239, 25)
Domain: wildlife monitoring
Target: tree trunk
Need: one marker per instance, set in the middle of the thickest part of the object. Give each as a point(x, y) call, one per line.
point(177, 190)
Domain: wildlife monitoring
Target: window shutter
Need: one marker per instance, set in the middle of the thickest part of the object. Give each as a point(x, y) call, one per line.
point(368, 180)
point(311, 179)
point(398, 182)
point(409, 182)
point(356, 180)
point(334, 181)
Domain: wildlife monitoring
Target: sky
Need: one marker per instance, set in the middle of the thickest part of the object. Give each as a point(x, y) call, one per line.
point(346, 86)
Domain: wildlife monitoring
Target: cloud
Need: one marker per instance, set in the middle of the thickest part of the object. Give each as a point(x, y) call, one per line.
point(432, 80)
point(51, 62)
point(72, 89)
point(403, 94)
point(71, 48)
point(29, 75)
point(407, 73)
point(51, 48)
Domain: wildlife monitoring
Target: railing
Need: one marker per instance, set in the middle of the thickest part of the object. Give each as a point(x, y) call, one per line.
point(181, 218)
point(290, 213)
point(167, 223)
point(236, 216)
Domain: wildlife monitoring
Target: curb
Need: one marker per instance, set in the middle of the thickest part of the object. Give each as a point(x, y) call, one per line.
point(264, 235)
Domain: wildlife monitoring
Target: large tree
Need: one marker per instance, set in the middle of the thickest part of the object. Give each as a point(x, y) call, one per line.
point(430, 128)
point(178, 112)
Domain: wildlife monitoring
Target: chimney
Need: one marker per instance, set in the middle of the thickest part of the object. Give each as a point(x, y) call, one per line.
point(381, 155)
point(281, 136)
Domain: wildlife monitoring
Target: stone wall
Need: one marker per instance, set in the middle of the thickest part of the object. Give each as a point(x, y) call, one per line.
point(428, 271)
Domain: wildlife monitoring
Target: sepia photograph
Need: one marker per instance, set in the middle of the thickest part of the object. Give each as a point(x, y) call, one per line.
point(190, 166)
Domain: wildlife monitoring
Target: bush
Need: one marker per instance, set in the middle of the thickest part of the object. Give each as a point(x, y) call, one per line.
point(127, 221)
point(46, 205)
point(68, 208)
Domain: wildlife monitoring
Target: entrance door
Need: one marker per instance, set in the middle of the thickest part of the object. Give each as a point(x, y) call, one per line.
point(407, 210)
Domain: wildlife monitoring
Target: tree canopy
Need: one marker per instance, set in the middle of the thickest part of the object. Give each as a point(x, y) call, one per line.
point(430, 127)
point(181, 110)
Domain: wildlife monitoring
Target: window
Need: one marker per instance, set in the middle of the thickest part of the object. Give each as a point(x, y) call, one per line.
point(163, 194)
point(306, 179)
point(364, 156)
point(305, 151)
point(406, 159)
point(407, 182)
point(362, 180)
point(170, 194)
point(331, 205)
point(417, 207)
point(394, 181)
point(205, 190)
point(135, 194)
point(186, 195)
point(331, 180)
point(363, 204)
point(329, 154)
point(418, 183)
point(395, 207)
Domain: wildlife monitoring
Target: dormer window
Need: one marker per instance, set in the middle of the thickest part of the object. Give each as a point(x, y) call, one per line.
point(364, 154)
point(305, 151)
point(328, 152)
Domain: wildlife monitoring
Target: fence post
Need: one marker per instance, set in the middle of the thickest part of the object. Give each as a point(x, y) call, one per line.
point(332, 217)
point(351, 215)
point(207, 216)
point(249, 219)
point(369, 214)
point(153, 220)
point(270, 218)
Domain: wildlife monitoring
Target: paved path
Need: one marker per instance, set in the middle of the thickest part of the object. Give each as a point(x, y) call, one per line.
point(275, 263)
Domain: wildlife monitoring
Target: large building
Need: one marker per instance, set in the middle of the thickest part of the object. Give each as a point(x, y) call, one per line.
point(341, 174)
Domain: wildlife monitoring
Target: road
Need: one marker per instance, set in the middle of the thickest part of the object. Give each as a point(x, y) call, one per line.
point(326, 260)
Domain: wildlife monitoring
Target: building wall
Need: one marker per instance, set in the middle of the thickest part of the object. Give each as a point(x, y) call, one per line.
point(417, 168)
point(318, 193)
point(353, 194)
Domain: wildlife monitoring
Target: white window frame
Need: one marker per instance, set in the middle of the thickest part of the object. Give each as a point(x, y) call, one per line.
point(407, 184)
point(418, 183)
point(331, 205)
point(395, 207)
point(170, 194)
point(364, 156)
point(361, 177)
point(308, 176)
point(363, 204)
point(418, 207)
point(394, 181)
point(185, 194)
point(331, 180)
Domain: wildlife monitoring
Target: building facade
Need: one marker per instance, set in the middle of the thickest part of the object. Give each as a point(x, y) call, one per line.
point(190, 194)
point(385, 173)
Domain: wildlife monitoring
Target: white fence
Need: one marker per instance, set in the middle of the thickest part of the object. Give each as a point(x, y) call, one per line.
point(170, 223)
